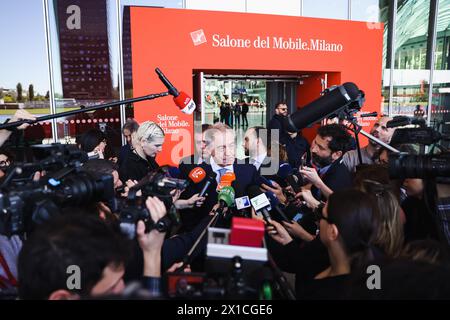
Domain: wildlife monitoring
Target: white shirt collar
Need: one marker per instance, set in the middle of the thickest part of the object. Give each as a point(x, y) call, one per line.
point(259, 160)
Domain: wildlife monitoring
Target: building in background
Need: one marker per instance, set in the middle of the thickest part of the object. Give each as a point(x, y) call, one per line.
point(84, 49)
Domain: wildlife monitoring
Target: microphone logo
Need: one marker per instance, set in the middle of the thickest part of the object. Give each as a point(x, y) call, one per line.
point(198, 37)
point(197, 173)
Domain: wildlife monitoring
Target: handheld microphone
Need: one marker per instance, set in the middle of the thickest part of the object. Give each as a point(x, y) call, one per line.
point(287, 173)
point(274, 203)
point(208, 182)
point(181, 99)
point(225, 198)
point(259, 201)
point(197, 175)
point(226, 180)
point(330, 103)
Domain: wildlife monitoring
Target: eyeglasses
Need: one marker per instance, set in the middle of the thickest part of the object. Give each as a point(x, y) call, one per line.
point(318, 214)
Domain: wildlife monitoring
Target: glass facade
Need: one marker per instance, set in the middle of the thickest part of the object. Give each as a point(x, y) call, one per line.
point(78, 62)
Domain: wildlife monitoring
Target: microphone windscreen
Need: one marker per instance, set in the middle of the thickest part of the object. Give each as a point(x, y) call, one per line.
point(185, 103)
point(272, 198)
point(284, 170)
point(226, 194)
point(197, 174)
point(228, 177)
point(322, 107)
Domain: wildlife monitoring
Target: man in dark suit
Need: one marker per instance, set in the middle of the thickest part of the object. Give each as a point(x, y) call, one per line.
point(223, 160)
point(328, 173)
point(201, 152)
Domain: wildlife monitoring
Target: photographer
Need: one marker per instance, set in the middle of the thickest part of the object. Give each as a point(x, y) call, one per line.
point(99, 250)
point(93, 142)
point(78, 239)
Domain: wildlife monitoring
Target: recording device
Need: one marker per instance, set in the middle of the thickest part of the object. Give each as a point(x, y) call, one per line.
point(402, 165)
point(156, 184)
point(26, 203)
point(181, 99)
point(400, 121)
point(334, 100)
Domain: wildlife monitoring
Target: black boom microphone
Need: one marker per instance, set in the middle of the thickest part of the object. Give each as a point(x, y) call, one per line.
point(332, 101)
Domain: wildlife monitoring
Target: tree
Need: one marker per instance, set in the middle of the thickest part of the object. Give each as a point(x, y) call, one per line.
point(47, 95)
point(30, 93)
point(19, 92)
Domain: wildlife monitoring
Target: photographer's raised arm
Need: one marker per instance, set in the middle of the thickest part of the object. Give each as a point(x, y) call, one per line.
point(19, 115)
point(151, 244)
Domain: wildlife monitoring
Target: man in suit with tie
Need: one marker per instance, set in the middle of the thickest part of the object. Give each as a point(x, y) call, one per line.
point(223, 159)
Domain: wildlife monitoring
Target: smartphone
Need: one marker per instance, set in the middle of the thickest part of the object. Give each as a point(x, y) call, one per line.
point(266, 182)
point(303, 160)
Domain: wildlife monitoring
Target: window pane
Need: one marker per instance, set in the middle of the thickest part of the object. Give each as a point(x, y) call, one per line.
point(283, 7)
point(336, 9)
point(24, 77)
point(366, 10)
point(220, 5)
point(441, 74)
point(126, 41)
point(410, 76)
point(86, 65)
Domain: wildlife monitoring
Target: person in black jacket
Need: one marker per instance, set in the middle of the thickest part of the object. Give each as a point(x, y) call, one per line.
point(328, 173)
point(281, 112)
point(147, 143)
point(130, 127)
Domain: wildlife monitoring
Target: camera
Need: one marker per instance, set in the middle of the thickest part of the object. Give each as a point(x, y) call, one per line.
point(157, 183)
point(25, 203)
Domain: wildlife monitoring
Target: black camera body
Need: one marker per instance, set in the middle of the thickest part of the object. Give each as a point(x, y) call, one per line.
point(156, 184)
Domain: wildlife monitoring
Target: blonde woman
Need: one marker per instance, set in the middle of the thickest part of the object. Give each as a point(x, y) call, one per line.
point(147, 143)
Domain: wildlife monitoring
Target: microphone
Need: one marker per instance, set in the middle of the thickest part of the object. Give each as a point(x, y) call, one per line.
point(226, 180)
point(181, 99)
point(275, 204)
point(259, 201)
point(208, 182)
point(287, 173)
point(225, 198)
point(197, 175)
point(330, 103)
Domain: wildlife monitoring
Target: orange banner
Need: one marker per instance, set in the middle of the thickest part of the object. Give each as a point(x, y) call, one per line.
point(180, 41)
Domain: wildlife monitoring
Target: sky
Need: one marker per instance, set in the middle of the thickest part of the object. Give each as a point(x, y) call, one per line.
point(23, 56)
